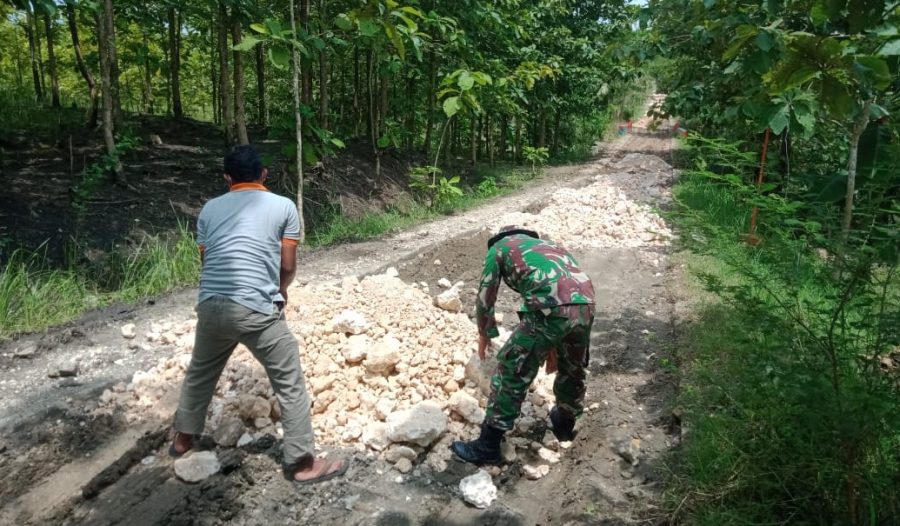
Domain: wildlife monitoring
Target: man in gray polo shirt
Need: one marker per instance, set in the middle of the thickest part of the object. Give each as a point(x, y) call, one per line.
point(248, 242)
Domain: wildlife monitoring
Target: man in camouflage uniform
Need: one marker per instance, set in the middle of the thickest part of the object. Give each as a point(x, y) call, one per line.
point(556, 317)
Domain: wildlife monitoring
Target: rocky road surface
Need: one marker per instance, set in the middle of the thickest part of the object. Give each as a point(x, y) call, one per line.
point(387, 347)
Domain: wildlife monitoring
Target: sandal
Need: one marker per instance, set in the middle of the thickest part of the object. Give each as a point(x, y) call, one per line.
point(291, 471)
point(173, 452)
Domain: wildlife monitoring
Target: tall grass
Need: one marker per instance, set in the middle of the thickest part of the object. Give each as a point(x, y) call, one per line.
point(34, 295)
point(790, 404)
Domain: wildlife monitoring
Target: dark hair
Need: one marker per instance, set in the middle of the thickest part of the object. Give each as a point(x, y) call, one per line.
point(243, 164)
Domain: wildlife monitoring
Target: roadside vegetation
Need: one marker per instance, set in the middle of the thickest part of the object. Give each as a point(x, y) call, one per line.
point(476, 89)
point(789, 214)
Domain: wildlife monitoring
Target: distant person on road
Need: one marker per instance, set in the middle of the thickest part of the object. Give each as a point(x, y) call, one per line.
point(248, 243)
point(555, 326)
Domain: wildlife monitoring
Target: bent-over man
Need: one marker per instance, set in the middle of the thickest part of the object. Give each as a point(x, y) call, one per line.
point(555, 317)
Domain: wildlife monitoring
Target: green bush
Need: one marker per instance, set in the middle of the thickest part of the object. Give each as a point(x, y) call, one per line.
point(790, 413)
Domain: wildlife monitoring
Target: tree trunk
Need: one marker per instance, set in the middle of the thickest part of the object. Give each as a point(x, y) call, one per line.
point(213, 75)
point(432, 96)
point(82, 67)
point(504, 127)
point(240, 117)
point(224, 78)
point(298, 124)
point(307, 74)
point(167, 56)
point(262, 109)
point(473, 141)
point(105, 40)
point(517, 146)
point(20, 76)
point(542, 129)
point(51, 62)
point(175, 60)
point(488, 139)
point(40, 53)
point(147, 88)
point(323, 76)
point(554, 148)
point(33, 54)
point(113, 57)
point(858, 128)
point(357, 109)
point(410, 123)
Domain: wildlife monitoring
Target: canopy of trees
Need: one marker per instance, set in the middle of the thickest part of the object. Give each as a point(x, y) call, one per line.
point(479, 78)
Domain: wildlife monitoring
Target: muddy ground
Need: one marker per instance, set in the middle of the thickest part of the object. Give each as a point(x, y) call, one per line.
point(62, 465)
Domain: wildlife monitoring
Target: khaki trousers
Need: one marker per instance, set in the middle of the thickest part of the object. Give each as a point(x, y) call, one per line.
point(221, 325)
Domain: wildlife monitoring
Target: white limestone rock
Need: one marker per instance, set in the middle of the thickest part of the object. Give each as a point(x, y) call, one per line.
point(466, 406)
point(128, 331)
point(356, 348)
point(376, 436)
point(349, 322)
point(383, 356)
point(421, 424)
point(449, 300)
point(535, 472)
point(478, 489)
point(197, 466)
point(397, 452)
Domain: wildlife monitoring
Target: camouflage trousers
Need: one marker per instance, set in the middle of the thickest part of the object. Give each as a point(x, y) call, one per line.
point(568, 330)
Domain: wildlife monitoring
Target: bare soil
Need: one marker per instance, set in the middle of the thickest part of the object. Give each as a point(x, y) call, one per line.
point(63, 466)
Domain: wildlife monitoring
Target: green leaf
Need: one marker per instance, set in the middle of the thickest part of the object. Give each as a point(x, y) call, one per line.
point(764, 41)
point(310, 156)
point(274, 27)
point(780, 120)
point(890, 49)
point(368, 27)
point(280, 57)
point(384, 141)
point(337, 142)
point(391, 31)
point(836, 98)
point(465, 81)
point(259, 28)
point(342, 21)
point(451, 106)
point(412, 11)
point(246, 44)
point(875, 70)
point(819, 13)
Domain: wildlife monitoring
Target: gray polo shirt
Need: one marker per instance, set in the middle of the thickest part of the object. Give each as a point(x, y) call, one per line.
point(240, 234)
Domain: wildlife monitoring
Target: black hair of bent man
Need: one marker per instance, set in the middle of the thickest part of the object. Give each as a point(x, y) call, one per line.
point(243, 164)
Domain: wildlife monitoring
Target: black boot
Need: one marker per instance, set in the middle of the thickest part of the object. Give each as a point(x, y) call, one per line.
point(562, 425)
point(484, 450)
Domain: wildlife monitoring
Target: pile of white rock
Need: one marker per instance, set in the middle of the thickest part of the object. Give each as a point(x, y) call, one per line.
point(613, 211)
point(388, 370)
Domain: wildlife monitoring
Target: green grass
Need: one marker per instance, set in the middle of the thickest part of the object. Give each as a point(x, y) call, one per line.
point(767, 434)
point(488, 183)
point(34, 295)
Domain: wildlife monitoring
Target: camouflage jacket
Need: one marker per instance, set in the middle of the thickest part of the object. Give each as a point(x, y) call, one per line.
point(545, 274)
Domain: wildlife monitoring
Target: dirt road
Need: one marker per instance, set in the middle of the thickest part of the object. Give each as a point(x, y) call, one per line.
point(65, 461)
